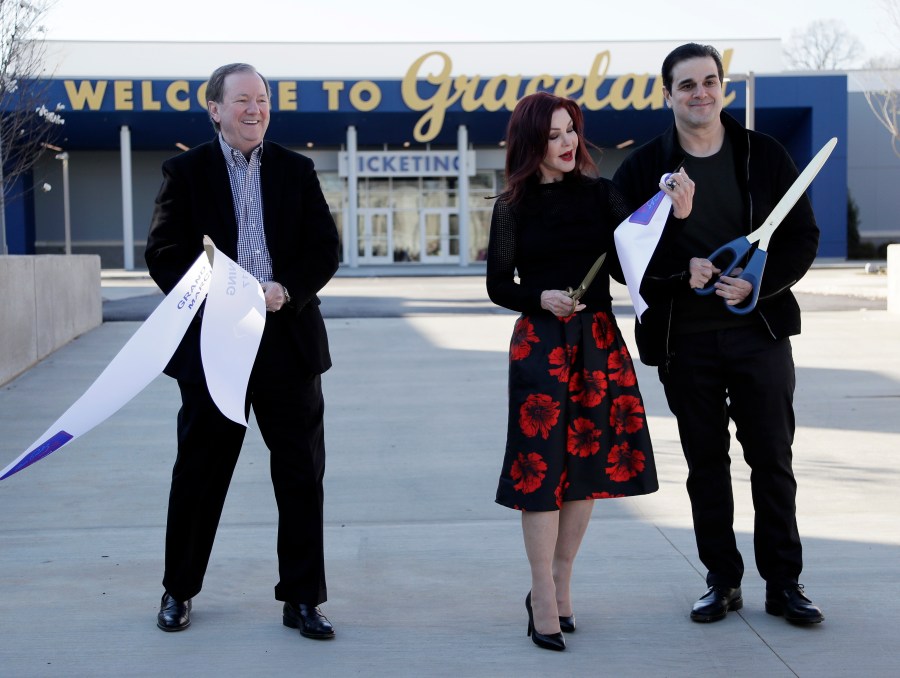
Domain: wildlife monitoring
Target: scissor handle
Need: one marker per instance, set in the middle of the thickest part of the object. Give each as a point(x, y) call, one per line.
point(737, 248)
point(752, 273)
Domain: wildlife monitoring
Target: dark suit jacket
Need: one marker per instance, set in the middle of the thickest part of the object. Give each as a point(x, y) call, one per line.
point(195, 200)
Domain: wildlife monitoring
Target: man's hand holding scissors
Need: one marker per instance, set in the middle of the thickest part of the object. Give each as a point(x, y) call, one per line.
point(731, 288)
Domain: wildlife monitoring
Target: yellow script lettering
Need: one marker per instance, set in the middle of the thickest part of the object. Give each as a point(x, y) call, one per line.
point(435, 107)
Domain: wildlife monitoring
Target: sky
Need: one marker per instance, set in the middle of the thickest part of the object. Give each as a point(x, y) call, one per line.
point(465, 20)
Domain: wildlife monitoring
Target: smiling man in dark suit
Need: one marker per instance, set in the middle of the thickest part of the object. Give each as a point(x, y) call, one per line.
point(263, 206)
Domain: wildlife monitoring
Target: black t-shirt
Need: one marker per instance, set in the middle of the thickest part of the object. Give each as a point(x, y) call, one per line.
point(715, 219)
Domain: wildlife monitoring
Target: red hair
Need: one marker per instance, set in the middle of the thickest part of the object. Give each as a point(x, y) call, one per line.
point(527, 136)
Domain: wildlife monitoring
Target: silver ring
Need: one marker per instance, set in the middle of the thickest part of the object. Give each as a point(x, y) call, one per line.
point(671, 184)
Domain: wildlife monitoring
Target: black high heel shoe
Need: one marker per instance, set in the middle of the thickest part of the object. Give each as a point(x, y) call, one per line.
point(567, 624)
point(548, 641)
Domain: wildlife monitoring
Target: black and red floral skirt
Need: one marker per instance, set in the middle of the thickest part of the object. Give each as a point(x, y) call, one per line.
point(577, 427)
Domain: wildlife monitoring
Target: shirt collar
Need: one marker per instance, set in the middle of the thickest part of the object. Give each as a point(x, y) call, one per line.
point(233, 156)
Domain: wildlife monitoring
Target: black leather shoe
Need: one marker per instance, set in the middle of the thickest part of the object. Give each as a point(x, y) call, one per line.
point(793, 605)
point(173, 615)
point(309, 619)
point(567, 624)
point(548, 641)
point(716, 603)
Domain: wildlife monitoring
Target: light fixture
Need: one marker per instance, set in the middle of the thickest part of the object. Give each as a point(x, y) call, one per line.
point(309, 144)
point(405, 144)
point(52, 147)
point(502, 143)
point(625, 144)
point(181, 146)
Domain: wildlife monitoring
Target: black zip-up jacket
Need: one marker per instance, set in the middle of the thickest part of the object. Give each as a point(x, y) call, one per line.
point(764, 172)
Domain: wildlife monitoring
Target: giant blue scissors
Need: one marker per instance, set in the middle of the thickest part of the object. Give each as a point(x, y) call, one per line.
point(740, 247)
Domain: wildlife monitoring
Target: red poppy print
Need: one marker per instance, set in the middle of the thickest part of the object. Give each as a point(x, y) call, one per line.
point(561, 488)
point(626, 463)
point(603, 330)
point(626, 414)
point(538, 414)
point(584, 438)
point(621, 370)
point(563, 357)
point(589, 389)
point(605, 495)
point(529, 471)
point(522, 339)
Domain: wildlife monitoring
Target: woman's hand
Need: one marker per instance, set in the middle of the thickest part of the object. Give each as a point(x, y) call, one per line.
point(559, 303)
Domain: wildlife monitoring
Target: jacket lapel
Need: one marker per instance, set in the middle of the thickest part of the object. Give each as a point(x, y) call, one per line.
point(222, 225)
point(271, 186)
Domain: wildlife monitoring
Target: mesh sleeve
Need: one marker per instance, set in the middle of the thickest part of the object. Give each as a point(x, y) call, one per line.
point(502, 287)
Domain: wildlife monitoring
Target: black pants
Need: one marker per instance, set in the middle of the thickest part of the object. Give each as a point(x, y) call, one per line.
point(746, 375)
point(289, 410)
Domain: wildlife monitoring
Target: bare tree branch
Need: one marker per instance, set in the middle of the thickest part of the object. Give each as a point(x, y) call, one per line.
point(884, 97)
point(26, 124)
point(824, 45)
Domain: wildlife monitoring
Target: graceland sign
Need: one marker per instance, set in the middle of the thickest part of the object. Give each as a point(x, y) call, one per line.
point(428, 87)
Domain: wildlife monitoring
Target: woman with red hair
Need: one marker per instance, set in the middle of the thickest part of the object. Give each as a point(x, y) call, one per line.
point(577, 429)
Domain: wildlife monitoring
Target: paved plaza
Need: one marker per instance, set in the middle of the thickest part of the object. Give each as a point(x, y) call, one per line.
point(426, 574)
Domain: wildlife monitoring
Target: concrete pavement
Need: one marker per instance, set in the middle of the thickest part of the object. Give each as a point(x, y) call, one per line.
point(427, 575)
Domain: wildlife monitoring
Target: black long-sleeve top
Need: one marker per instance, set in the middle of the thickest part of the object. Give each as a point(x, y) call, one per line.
point(552, 238)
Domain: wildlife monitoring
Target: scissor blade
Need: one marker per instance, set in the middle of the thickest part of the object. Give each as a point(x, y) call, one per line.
point(579, 291)
point(787, 202)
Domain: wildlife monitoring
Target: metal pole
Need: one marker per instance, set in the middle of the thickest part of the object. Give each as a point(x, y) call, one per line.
point(462, 185)
point(750, 83)
point(352, 198)
point(3, 247)
point(127, 207)
point(68, 223)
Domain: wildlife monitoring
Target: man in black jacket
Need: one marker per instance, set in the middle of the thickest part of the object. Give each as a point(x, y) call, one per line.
point(263, 207)
point(714, 364)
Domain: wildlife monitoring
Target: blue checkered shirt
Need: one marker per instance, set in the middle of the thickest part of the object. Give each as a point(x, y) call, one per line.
point(252, 250)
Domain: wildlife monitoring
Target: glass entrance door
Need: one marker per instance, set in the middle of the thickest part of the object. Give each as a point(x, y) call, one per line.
point(374, 244)
point(439, 235)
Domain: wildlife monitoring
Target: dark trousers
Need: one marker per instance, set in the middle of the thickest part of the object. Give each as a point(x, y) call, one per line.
point(745, 375)
point(289, 409)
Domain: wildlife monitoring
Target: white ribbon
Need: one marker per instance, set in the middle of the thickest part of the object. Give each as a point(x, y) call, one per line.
point(233, 323)
point(636, 239)
point(150, 348)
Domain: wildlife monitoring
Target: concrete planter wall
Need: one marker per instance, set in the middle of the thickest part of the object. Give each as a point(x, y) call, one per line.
point(47, 300)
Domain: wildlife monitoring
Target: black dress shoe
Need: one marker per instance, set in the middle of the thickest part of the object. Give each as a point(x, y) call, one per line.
point(716, 603)
point(793, 605)
point(548, 641)
point(173, 614)
point(567, 624)
point(309, 619)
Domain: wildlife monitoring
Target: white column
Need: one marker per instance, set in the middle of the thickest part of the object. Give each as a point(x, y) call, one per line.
point(893, 276)
point(352, 237)
point(462, 147)
point(67, 219)
point(751, 106)
point(127, 200)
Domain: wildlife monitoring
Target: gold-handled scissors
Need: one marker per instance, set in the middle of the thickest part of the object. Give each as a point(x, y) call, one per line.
point(578, 292)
